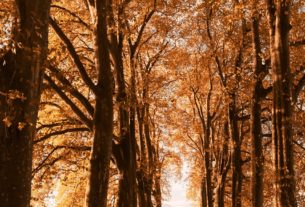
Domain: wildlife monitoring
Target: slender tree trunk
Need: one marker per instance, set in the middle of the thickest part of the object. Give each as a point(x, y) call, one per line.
point(103, 118)
point(236, 154)
point(151, 164)
point(157, 178)
point(157, 192)
point(279, 13)
point(143, 164)
point(223, 171)
point(204, 202)
point(145, 173)
point(257, 162)
point(21, 74)
point(208, 167)
point(205, 145)
point(132, 136)
point(142, 170)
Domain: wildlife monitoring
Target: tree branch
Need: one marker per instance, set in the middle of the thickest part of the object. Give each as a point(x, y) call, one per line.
point(74, 92)
point(74, 56)
point(297, 43)
point(298, 87)
point(72, 14)
point(67, 100)
point(47, 136)
point(134, 46)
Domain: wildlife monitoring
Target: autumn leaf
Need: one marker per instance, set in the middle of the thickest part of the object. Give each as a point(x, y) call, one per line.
point(7, 121)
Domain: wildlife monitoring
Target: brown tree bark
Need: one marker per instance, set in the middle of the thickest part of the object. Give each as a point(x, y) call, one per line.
point(157, 193)
point(144, 173)
point(124, 159)
point(204, 202)
point(223, 169)
point(132, 135)
point(236, 154)
point(21, 74)
point(237, 174)
point(207, 151)
point(279, 14)
point(257, 162)
point(103, 117)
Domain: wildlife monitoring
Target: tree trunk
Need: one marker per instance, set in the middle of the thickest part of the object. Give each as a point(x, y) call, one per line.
point(21, 75)
point(204, 202)
point(257, 162)
point(279, 13)
point(145, 173)
point(125, 196)
point(132, 139)
point(103, 118)
point(157, 178)
point(223, 171)
point(207, 165)
point(151, 164)
point(236, 154)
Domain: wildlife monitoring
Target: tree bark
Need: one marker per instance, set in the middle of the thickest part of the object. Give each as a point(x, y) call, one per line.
point(257, 162)
point(279, 14)
point(132, 136)
point(207, 155)
point(103, 117)
point(157, 178)
point(236, 154)
point(21, 75)
point(223, 171)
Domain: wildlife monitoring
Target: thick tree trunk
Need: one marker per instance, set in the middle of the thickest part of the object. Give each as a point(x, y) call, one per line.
point(145, 189)
point(126, 158)
point(281, 114)
point(103, 118)
point(21, 74)
point(126, 197)
point(257, 162)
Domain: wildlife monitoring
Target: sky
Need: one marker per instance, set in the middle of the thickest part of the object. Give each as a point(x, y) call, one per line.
point(178, 193)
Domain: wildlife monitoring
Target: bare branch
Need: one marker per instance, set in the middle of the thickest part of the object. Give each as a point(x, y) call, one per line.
point(74, 56)
point(68, 101)
point(56, 133)
point(297, 43)
point(73, 14)
point(74, 92)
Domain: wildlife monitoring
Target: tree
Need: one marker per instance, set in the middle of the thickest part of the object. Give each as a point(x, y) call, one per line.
point(21, 72)
point(279, 26)
point(257, 162)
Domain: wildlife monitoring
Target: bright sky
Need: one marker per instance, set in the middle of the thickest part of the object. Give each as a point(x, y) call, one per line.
point(178, 198)
point(178, 192)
